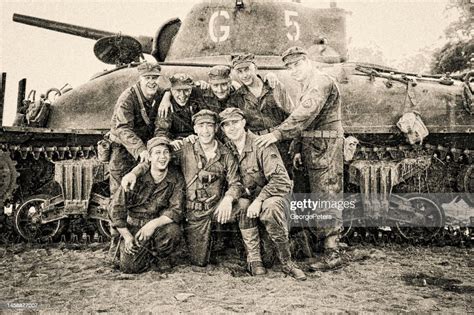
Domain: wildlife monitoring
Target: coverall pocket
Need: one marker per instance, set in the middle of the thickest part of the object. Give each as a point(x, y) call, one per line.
point(319, 158)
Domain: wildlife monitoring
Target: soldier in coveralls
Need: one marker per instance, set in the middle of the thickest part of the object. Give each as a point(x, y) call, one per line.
point(133, 124)
point(215, 95)
point(209, 167)
point(317, 120)
point(184, 104)
point(266, 183)
point(268, 106)
point(148, 217)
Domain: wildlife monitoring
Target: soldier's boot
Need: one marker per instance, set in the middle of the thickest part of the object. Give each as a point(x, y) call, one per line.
point(251, 240)
point(332, 257)
point(287, 265)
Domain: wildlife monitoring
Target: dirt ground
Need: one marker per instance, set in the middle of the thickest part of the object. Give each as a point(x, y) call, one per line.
point(73, 278)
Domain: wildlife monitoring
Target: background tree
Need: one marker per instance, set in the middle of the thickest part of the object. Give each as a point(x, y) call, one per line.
point(456, 53)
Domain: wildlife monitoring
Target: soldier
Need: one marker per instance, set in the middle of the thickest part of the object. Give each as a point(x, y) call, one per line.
point(317, 119)
point(214, 95)
point(132, 126)
point(266, 182)
point(209, 167)
point(184, 104)
point(148, 217)
point(133, 123)
point(267, 106)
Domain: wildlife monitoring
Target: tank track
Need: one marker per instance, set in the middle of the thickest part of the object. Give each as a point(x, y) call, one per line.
point(453, 167)
point(34, 170)
point(451, 171)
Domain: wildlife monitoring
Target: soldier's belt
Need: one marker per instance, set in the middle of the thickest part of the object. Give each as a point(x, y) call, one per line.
point(263, 132)
point(137, 222)
point(199, 206)
point(322, 134)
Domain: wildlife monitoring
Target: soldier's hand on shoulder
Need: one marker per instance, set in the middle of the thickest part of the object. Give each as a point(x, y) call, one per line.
point(265, 140)
point(203, 85)
point(128, 182)
point(176, 144)
point(144, 156)
point(272, 80)
point(165, 105)
point(191, 138)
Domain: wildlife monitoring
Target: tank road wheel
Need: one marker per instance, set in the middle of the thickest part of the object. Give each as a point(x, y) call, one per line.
point(103, 226)
point(27, 221)
point(433, 220)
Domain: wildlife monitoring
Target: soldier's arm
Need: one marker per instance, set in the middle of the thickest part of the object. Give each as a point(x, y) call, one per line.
point(278, 180)
point(304, 114)
point(124, 124)
point(177, 199)
point(282, 98)
point(234, 184)
point(163, 126)
point(118, 209)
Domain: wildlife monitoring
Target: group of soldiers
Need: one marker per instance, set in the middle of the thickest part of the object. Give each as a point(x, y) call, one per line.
point(231, 146)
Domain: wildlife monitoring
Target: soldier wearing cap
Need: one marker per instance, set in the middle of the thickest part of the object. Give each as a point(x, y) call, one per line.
point(213, 191)
point(148, 217)
point(266, 183)
point(184, 104)
point(133, 124)
point(268, 106)
point(215, 96)
point(317, 120)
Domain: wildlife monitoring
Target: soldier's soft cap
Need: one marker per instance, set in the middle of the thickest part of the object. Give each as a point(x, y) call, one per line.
point(181, 81)
point(293, 54)
point(242, 61)
point(231, 113)
point(205, 115)
point(156, 141)
point(149, 68)
point(219, 74)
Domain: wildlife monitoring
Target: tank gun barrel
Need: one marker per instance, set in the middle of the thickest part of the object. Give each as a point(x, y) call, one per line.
point(77, 30)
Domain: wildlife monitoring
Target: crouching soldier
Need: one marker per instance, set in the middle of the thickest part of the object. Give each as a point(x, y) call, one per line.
point(266, 182)
point(209, 167)
point(148, 217)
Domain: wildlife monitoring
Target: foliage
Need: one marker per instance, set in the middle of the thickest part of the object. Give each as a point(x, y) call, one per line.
point(456, 53)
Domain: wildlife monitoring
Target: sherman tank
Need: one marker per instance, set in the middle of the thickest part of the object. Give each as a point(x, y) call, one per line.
point(407, 135)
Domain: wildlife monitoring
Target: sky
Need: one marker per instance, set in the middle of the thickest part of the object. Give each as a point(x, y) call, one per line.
point(50, 59)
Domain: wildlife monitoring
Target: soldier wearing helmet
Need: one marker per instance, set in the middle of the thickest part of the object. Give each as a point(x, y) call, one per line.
point(317, 120)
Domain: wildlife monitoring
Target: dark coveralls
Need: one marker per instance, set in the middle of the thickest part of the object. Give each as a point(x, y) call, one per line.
point(266, 112)
point(205, 187)
point(178, 123)
point(212, 102)
point(149, 201)
point(264, 176)
point(317, 119)
point(131, 129)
